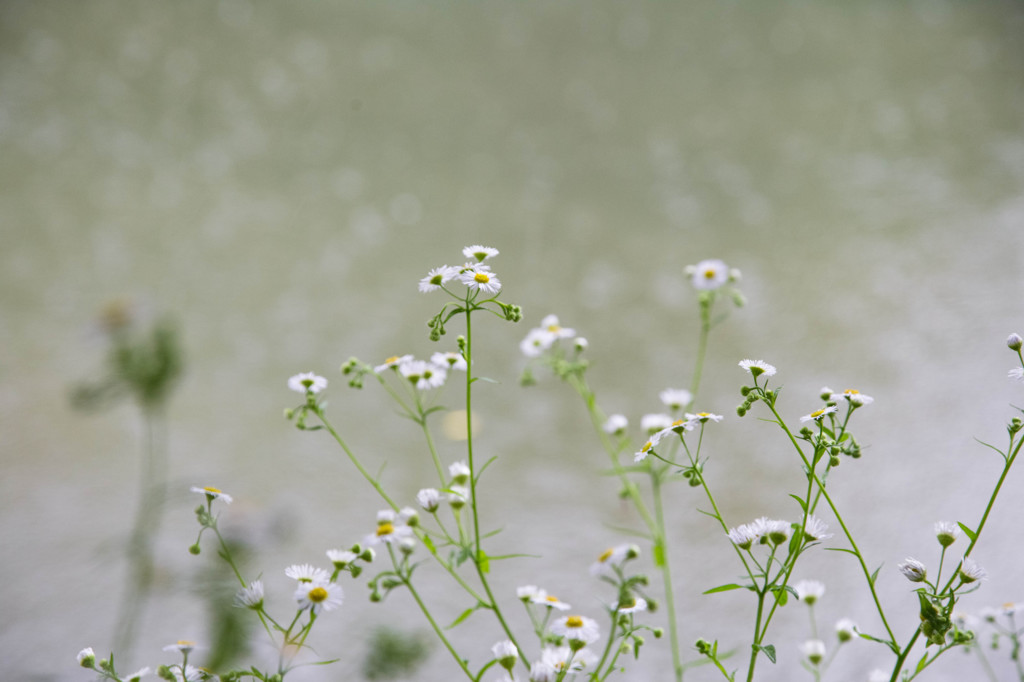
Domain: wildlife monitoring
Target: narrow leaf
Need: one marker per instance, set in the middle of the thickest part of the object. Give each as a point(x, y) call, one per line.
point(841, 549)
point(922, 663)
point(723, 588)
point(769, 651)
point(967, 531)
point(803, 505)
point(874, 576)
point(463, 616)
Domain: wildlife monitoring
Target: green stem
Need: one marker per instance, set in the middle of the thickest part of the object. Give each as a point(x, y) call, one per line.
point(666, 575)
point(355, 460)
point(755, 647)
point(702, 347)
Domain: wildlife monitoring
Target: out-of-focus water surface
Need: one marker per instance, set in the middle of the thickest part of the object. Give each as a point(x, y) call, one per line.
point(280, 175)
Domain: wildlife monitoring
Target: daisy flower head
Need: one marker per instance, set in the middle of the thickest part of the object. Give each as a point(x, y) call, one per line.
point(550, 601)
point(758, 367)
point(250, 597)
point(137, 675)
point(809, 591)
point(307, 382)
point(578, 630)
point(480, 253)
point(459, 471)
point(551, 326)
point(422, 374)
point(852, 396)
point(768, 530)
point(87, 657)
point(648, 447)
point(213, 494)
point(319, 595)
point(708, 274)
point(341, 557)
point(528, 592)
point(813, 650)
point(392, 363)
point(815, 529)
point(846, 630)
point(388, 532)
point(505, 653)
point(652, 423)
point(632, 605)
point(189, 673)
point(479, 279)
point(946, 532)
point(743, 536)
point(541, 671)
point(429, 499)
point(437, 277)
point(580, 344)
point(561, 658)
point(615, 424)
point(1016, 373)
point(458, 496)
point(306, 573)
point(703, 417)
point(612, 558)
point(182, 646)
point(1014, 342)
point(913, 570)
point(818, 415)
point(971, 572)
point(675, 398)
point(536, 342)
point(449, 360)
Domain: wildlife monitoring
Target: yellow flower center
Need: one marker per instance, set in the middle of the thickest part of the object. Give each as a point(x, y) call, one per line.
point(851, 391)
point(185, 642)
point(554, 328)
point(709, 273)
point(647, 446)
point(481, 278)
point(215, 491)
point(703, 414)
point(392, 360)
point(574, 622)
point(385, 529)
point(606, 555)
point(679, 422)
point(817, 413)
point(551, 598)
point(317, 594)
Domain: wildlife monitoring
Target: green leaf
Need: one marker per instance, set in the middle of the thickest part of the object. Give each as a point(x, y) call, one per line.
point(799, 500)
point(429, 544)
point(768, 649)
point(464, 615)
point(922, 663)
point(841, 549)
point(725, 588)
point(874, 576)
point(968, 532)
point(486, 379)
point(483, 561)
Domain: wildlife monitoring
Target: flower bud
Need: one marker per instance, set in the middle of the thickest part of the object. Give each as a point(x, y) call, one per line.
point(1014, 342)
point(86, 658)
point(913, 570)
point(194, 549)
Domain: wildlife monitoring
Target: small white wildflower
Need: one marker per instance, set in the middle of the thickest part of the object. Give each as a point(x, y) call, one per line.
point(709, 274)
point(1016, 373)
point(535, 343)
point(505, 652)
point(87, 657)
point(341, 557)
point(551, 325)
point(213, 494)
point(675, 398)
point(971, 572)
point(437, 277)
point(138, 675)
point(182, 646)
point(564, 658)
point(651, 423)
point(758, 367)
point(634, 605)
point(307, 382)
point(743, 536)
point(613, 557)
point(386, 516)
point(550, 601)
point(449, 360)
point(478, 279)
point(458, 496)
point(816, 529)
point(392, 362)
point(528, 592)
point(459, 471)
point(306, 573)
point(946, 532)
point(809, 591)
point(774, 531)
point(250, 597)
point(703, 417)
point(409, 516)
point(319, 595)
point(481, 253)
point(649, 446)
point(429, 499)
point(852, 396)
point(846, 630)
point(913, 570)
point(817, 415)
point(580, 344)
point(616, 424)
point(542, 671)
point(422, 374)
point(387, 533)
point(813, 650)
point(578, 630)
point(1014, 342)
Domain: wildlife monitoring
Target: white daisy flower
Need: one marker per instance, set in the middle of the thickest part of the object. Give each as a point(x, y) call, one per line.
point(816, 529)
point(652, 442)
point(459, 471)
point(846, 630)
point(709, 274)
point(306, 573)
point(480, 253)
point(213, 494)
point(1016, 373)
point(386, 516)
point(971, 572)
point(551, 326)
point(87, 657)
point(541, 671)
point(758, 367)
point(562, 657)
point(393, 363)
point(528, 592)
point(449, 360)
point(182, 646)
point(189, 674)
point(813, 650)
point(506, 653)
point(774, 531)
point(341, 557)
point(138, 675)
point(675, 398)
point(319, 595)
point(913, 570)
point(577, 630)
point(479, 279)
point(613, 557)
point(387, 533)
point(817, 415)
point(536, 342)
point(635, 605)
point(550, 601)
point(615, 424)
point(852, 396)
point(946, 532)
point(580, 344)
point(307, 382)
point(743, 536)
point(809, 591)
point(651, 423)
point(429, 499)
point(422, 374)
point(437, 277)
point(458, 496)
point(703, 417)
point(250, 597)
point(1009, 608)
point(409, 516)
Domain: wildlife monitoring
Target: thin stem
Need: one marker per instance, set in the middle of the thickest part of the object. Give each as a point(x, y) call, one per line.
point(702, 347)
point(666, 575)
point(355, 460)
point(755, 647)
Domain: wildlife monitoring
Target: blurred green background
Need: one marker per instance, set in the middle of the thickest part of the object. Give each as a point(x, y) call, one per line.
point(278, 176)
